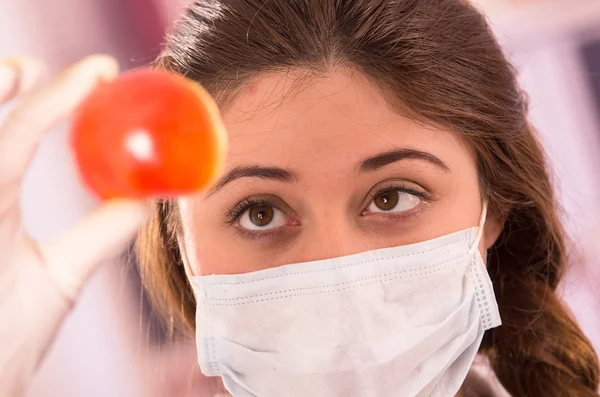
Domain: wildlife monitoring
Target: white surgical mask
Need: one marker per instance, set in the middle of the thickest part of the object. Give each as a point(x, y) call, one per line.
point(403, 321)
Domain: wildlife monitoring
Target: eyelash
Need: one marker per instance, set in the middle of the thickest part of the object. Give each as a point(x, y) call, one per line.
point(234, 214)
point(422, 194)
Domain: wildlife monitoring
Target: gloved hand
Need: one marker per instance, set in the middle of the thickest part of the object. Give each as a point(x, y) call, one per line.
point(39, 283)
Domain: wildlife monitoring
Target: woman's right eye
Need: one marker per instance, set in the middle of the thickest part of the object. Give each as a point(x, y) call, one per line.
point(262, 217)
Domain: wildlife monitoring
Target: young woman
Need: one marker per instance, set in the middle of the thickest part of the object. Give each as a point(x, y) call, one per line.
point(385, 214)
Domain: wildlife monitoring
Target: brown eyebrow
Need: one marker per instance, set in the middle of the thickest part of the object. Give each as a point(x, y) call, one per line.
point(370, 164)
point(253, 171)
point(379, 161)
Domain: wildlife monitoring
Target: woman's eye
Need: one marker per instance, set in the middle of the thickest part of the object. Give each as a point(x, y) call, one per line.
point(262, 217)
point(393, 201)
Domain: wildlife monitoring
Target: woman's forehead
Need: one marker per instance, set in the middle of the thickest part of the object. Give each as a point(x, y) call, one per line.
point(338, 118)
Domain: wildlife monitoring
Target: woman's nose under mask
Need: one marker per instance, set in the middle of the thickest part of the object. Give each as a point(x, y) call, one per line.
point(403, 321)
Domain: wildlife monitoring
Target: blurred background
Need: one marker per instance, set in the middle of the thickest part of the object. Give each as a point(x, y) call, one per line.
point(112, 345)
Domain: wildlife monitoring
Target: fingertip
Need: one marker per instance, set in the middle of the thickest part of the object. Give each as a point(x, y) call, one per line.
point(136, 211)
point(100, 236)
point(18, 75)
point(32, 71)
point(104, 66)
point(8, 80)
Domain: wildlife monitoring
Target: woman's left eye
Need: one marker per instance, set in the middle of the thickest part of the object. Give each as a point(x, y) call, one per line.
point(393, 200)
point(262, 217)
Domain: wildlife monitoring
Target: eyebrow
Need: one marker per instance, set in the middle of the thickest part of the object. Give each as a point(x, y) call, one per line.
point(379, 161)
point(370, 164)
point(256, 171)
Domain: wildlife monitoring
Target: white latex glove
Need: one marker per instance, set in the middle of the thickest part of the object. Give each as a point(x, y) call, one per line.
point(39, 283)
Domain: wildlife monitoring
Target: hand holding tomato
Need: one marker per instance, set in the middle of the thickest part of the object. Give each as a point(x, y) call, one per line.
point(39, 283)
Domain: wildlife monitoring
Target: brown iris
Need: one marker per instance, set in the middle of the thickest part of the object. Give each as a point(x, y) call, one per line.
point(261, 215)
point(386, 201)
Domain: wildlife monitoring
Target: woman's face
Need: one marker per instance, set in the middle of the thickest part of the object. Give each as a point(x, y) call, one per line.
point(326, 168)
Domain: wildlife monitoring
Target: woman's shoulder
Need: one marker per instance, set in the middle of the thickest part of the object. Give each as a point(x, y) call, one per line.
point(482, 381)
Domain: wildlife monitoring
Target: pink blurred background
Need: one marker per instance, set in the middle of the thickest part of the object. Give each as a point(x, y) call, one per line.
point(111, 345)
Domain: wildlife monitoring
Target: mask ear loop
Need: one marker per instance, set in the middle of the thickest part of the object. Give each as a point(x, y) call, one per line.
point(475, 245)
point(484, 289)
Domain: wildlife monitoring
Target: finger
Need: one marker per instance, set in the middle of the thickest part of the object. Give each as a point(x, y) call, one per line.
point(42, 108)
point(102, 235)
point(18, 75)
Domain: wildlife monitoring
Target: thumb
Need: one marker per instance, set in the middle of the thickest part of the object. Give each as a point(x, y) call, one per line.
point(101, 235)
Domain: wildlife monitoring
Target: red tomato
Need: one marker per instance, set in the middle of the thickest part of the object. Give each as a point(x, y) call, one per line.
point(148, 133)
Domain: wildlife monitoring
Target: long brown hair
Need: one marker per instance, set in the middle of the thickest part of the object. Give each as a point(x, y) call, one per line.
point(438, 62)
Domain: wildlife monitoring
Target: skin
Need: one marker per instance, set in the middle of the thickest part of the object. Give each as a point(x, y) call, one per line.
point(321, 130)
